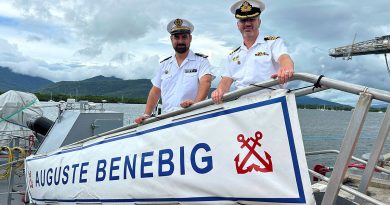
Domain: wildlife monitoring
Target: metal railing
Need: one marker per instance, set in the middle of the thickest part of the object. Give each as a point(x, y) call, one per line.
point(381, 169)
point(375, 46)
point(14, 139)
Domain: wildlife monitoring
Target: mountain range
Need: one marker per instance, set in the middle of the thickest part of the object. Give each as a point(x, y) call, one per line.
point(10, 80)
point(98, 86)
point(101, 86)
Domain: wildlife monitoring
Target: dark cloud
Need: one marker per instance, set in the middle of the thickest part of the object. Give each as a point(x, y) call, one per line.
point(122, 58)
point(33, 38)
point(92, 51)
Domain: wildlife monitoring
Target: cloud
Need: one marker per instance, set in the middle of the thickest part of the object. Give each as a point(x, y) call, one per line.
point(92, 51)
point(121, 58)
point(78, 39)
point(100, 21)
point(33, 38)
point(133, 68)
point(7, 48)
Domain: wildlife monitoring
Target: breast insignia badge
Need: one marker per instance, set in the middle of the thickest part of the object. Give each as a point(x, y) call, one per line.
point(237, 59)
point(261, 54)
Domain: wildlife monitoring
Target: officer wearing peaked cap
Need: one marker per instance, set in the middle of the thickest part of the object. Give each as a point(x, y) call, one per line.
point(258, 58)
point(177, 26)
point(183, 78)
point(247, 9)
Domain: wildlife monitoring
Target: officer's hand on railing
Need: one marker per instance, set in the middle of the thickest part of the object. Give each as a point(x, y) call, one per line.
point(283, 76)
point(286, 69)
point(186, 103)
point(141, 118)
point(217, 96)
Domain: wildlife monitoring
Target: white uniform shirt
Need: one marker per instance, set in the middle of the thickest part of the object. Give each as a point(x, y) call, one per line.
point(180, 83)
point(256, 64)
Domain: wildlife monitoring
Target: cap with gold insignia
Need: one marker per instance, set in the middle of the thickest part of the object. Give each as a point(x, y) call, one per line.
point(180, 26)
point(244, 9)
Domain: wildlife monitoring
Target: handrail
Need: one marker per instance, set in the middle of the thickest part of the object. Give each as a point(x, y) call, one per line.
point(348, 189)
point(353, 157)
point(344, 86)
point(11, 163)
point(325, 82)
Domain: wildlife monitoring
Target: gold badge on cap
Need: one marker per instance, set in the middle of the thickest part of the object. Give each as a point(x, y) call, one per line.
point(246, 7)
point(178, 22)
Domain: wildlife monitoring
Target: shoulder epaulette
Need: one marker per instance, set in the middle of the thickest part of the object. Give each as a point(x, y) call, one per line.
point(235, 50)
point(201, 55)
point(166, 59)
point(271, 38)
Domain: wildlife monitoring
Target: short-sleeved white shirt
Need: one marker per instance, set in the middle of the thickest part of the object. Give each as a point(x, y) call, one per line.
point(256, 64)
point(180, 83)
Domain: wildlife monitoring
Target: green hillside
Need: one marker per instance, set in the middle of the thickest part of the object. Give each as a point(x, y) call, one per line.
point(10, 80)
point(101, 86)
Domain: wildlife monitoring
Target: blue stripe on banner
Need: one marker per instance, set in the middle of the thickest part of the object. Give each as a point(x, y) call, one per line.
point(192, 199)
point(282, 100)
point(293, 151)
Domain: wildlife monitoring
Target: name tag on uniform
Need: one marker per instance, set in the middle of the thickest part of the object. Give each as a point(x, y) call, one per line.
point(191, 70)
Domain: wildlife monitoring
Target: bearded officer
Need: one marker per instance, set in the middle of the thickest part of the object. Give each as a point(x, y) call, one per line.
point(258, 58)
point(183, 78)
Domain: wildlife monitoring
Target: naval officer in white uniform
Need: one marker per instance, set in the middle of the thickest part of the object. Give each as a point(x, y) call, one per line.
point(183, 78)
point(259, 58)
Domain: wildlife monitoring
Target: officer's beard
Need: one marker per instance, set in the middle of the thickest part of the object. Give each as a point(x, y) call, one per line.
point(181, 48)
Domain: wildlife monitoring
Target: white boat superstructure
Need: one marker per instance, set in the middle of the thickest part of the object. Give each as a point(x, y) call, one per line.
point(24, 131)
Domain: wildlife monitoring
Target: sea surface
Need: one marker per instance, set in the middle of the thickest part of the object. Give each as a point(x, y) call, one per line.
point(321, 130)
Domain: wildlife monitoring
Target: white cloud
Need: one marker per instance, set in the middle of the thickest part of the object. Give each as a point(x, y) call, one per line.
point(6, 9)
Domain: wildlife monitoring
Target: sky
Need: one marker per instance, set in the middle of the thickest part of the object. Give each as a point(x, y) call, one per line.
point(79, 39)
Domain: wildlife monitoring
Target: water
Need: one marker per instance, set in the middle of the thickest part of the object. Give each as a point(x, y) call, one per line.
point(321, 129)
point(324, 130)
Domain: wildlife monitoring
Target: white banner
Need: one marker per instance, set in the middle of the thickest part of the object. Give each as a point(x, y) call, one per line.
point(249, 150)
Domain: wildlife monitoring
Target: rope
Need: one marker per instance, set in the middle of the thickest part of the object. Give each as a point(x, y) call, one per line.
point(259, 86)
point(19, 163)
point(14, 123)
point(315, 85)
point(18, 111)
point(290, 90)
point(22, 152)
point(318, 84)
point(31, 143)
point(387, 64)
point(6, 173)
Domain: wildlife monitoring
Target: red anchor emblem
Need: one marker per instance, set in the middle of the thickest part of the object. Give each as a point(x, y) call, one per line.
point(245, 143)
point(30, 180)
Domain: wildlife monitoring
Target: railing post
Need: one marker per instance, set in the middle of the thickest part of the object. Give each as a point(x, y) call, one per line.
point(347, 148)
point(14, 142)
point(374, 156)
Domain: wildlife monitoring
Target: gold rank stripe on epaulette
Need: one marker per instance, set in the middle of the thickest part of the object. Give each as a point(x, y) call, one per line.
point(201, 55)
point(166, 59)
point(235, 50)
point(271, 38)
